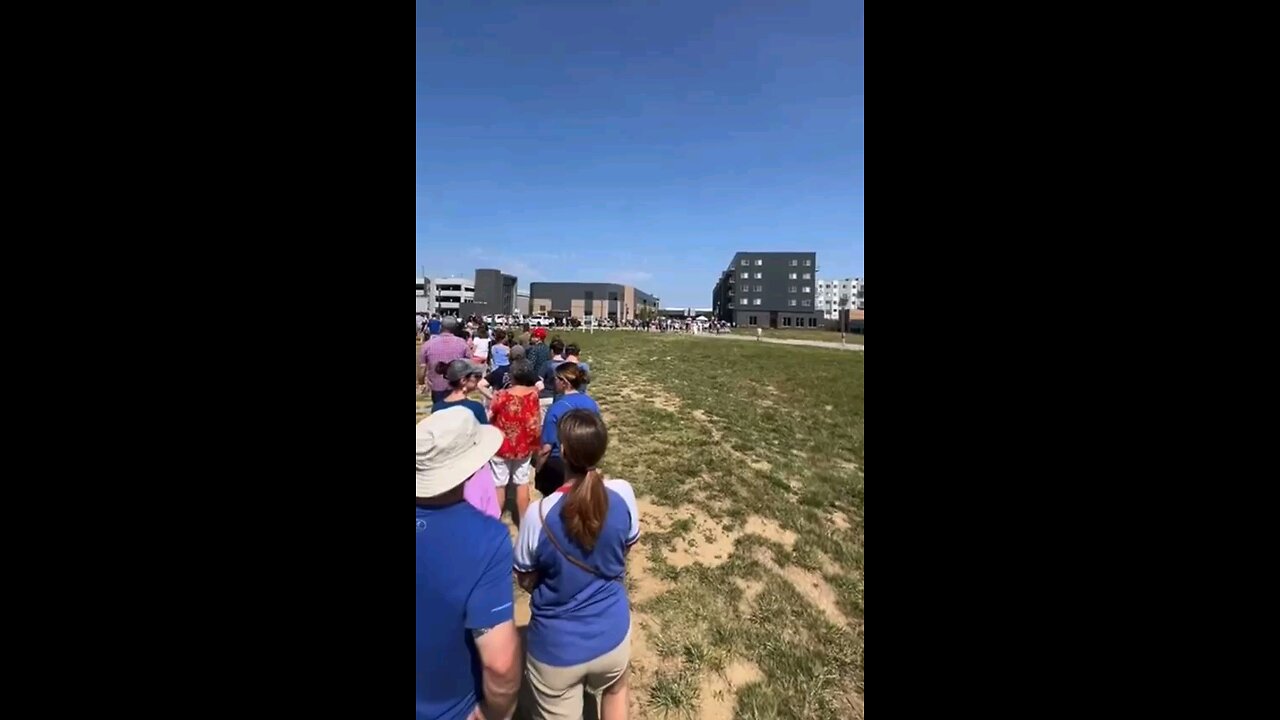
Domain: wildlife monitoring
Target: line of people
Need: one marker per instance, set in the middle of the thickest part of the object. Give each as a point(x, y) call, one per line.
point(570, 551)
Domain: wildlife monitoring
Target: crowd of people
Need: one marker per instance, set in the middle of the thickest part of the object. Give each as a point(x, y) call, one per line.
point(535, 424)
point(429, 325)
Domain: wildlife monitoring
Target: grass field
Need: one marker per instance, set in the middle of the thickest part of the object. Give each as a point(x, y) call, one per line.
point(747, 584)
point(794, 334)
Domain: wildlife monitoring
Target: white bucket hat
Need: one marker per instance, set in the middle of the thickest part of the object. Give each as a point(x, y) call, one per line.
point(452, 445)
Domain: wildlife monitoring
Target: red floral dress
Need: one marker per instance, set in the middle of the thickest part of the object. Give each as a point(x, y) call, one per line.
point(517, 416)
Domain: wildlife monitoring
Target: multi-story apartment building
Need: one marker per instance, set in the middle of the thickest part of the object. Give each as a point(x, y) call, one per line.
point(768, 289)
point(832, 296)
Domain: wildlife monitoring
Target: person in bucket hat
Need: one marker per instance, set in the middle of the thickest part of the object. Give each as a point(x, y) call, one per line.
point(468, 661)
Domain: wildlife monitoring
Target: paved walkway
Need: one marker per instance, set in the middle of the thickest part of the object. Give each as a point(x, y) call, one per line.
point(766, 338)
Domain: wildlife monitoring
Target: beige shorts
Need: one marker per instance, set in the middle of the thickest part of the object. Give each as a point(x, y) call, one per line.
point(510, 471)
point(557, 691)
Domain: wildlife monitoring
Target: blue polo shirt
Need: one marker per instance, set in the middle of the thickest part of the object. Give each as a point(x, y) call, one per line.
point(575, 401)
point(464, 563)
point(577, 616)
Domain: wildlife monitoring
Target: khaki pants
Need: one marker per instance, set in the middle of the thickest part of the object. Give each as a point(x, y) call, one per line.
point(557, 691)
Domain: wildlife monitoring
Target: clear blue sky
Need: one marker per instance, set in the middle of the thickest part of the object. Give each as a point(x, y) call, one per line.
point(639, 142)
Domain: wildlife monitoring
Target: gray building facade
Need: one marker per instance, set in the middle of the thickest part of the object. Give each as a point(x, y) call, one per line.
point(495, 292)
point(768, 289)
point(602, 301)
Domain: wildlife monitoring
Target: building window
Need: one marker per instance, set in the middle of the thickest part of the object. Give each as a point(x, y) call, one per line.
point(542, 308)
point(791, 303)
point(791, 288)
point(745, 262)
point(804, 303)
point(791, 276)
point(806, 276)
point(751, 319)
point(786, 321)
point(755, 301)
point(745, 275)
point(589, 303)
point(793, 263)
point(807, 263)
point(759, 261)
point(806, 289)
point(759, 288)
point(759, 276)
point(813, 322)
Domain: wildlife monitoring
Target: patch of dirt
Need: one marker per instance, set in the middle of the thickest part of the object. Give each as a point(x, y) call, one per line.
point(653, 515)
point(665, 400)
point(829, 566)
point(522, 608)
point(710, 544)
point(840, 520)
point(853, 700)
point(706, 543)
point(810, 585)
point(770, 530)
point(644, 584)
point(643, 663)
point(750, 589)
point(719, 692)
point(816, 590)
point(705, 419)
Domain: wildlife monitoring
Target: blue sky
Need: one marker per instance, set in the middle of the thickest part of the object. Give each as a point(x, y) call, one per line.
point(638, 142)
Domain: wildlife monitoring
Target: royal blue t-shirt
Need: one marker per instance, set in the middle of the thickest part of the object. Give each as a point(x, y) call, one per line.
point(464, 583)
point(434, 327)
point(476, 408)
point(574, 401)
point(577, 616)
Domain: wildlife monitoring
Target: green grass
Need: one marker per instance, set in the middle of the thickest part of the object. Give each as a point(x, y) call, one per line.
point(764, 430)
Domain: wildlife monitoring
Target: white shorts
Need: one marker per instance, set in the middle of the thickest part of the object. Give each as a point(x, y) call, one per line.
point(510, 471)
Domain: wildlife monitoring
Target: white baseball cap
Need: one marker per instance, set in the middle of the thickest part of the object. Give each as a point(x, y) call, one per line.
point(452, 446)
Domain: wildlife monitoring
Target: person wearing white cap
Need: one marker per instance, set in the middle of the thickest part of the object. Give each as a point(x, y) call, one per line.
point(468, 652)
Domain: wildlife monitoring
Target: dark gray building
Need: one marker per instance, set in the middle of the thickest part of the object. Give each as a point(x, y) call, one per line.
point(495, 292)
point(583, 300)
point(768, 289)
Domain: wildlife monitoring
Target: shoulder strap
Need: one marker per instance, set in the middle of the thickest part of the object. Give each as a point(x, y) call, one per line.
point(542, 513)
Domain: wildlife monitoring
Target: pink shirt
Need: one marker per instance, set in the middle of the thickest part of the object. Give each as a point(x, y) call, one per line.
point(443, 348)
point(480, 492)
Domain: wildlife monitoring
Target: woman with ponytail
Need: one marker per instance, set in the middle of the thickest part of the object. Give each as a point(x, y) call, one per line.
point(571, 558)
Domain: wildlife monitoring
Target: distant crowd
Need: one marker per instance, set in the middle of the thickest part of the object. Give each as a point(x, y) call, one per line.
point(426, 325)
point(536, 421)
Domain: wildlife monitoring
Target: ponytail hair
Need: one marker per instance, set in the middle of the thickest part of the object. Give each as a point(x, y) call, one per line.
point(573, 374)
point(583, 440)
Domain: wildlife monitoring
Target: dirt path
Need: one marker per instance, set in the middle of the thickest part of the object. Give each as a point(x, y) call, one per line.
point(810, 343)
